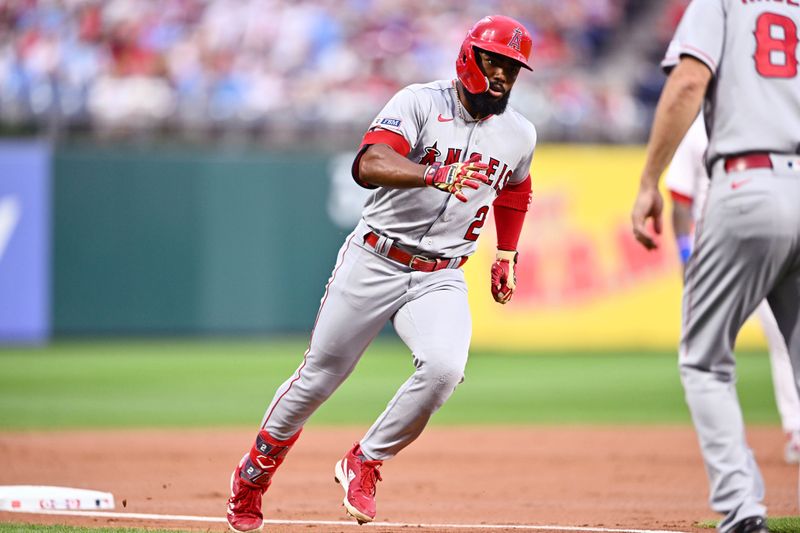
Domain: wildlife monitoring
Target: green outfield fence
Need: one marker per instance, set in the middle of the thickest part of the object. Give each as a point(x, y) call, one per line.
point(182, 240)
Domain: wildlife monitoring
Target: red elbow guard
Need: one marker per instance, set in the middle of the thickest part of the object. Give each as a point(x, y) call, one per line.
point(516, 197)
point(510, 207)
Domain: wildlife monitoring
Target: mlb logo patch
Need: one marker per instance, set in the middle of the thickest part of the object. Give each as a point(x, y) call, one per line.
point(394, 122)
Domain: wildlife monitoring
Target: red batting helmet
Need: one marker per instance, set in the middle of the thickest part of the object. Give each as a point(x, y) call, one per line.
point(497, 34)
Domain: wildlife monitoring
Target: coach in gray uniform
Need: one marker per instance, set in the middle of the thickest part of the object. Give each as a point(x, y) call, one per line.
point(741, 57)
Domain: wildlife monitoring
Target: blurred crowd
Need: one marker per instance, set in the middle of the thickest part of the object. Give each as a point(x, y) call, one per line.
point(294, 68)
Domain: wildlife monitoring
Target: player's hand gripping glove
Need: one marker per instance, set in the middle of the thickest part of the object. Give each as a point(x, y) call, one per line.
point(454, 177)
point(504, 277)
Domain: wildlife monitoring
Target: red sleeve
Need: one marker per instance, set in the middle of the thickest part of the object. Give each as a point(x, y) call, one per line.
point(397, 142)
point(681, 198)
point(510, 207)
point(378, 136)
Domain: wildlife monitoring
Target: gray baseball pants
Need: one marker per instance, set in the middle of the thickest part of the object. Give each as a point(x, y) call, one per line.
point(748, 248)
point(429, 311)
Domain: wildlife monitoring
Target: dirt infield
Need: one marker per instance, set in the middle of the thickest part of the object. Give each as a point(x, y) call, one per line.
point(613, 477)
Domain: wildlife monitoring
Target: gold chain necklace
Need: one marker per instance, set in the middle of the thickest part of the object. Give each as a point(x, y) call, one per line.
point(461, 112)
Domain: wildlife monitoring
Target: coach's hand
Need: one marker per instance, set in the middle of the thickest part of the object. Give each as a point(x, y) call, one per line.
point(454, 177)
point(504, 276)
point(649, 204)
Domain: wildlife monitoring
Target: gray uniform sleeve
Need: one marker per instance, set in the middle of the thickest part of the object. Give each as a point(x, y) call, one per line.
point(524, 168)
point(522, 171)
point(700, 34)
point(402, 115)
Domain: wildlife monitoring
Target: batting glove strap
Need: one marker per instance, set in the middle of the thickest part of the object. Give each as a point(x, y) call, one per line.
point(430, 174)
point(454, 177)
point(446, 178)
point(507, 255)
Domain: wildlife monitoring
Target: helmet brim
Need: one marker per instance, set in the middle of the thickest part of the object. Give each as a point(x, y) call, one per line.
point(504, 51)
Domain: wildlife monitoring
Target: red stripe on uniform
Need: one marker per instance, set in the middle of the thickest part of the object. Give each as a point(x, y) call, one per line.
point(681, 198)
point(397, 142)
point(311, 338)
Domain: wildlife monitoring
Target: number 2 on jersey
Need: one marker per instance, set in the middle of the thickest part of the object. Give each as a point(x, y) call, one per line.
point(473, 231)
point(776, 40)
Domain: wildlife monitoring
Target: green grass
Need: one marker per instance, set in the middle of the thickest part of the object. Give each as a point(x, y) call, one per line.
point(147, 383)
point(194, 383)
point(782, 524)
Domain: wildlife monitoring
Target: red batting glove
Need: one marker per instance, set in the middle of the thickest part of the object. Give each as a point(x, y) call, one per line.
point(504, 277)
point(454, 177)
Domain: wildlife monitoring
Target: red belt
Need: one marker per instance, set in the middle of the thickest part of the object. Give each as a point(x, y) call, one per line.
point(738, 163)
point(413, 261)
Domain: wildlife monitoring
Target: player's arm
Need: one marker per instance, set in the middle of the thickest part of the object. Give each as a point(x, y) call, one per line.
point(510, 208)
point(676, 110)
point(382, 160)
point(384, 164)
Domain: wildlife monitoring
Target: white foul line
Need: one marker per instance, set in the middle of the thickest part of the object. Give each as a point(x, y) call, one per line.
point(342, 523)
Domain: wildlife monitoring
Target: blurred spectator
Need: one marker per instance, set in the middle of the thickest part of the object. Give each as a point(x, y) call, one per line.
point(201, 66)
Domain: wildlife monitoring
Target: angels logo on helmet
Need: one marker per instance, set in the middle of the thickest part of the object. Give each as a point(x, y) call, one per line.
point(515, 39)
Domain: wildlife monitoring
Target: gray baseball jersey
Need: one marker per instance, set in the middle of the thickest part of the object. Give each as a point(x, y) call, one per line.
point(428, 117)
point(748, 243)
point(751, 47)
point(368, 288)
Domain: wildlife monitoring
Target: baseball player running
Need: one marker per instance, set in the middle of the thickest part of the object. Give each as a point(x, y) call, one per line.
point(741, 57)
point(687, 182)
point(438, 156)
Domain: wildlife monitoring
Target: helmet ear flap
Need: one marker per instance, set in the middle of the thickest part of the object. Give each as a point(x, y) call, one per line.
point(496, 34)
point(469, 73)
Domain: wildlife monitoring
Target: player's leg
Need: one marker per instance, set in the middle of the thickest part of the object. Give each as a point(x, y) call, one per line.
point(359, 300)
point(786, 397)
point(784, 299)
point(737, 261)
point(361, 295)
point(785, 302)
point(436, 325)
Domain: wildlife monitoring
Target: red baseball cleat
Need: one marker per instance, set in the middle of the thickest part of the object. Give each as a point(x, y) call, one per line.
point(358, 477)
point(251, 479)
point(244, 505)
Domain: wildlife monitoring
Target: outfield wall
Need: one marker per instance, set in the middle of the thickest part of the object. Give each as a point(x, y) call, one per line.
point(183, 241)
point(584, 282)
point(189, 241)
point(24, 242)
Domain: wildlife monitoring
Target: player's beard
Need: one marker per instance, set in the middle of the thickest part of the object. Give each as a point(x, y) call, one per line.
point(484, 104)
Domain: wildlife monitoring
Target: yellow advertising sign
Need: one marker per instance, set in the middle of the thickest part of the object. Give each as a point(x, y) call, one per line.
point(583, 281)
